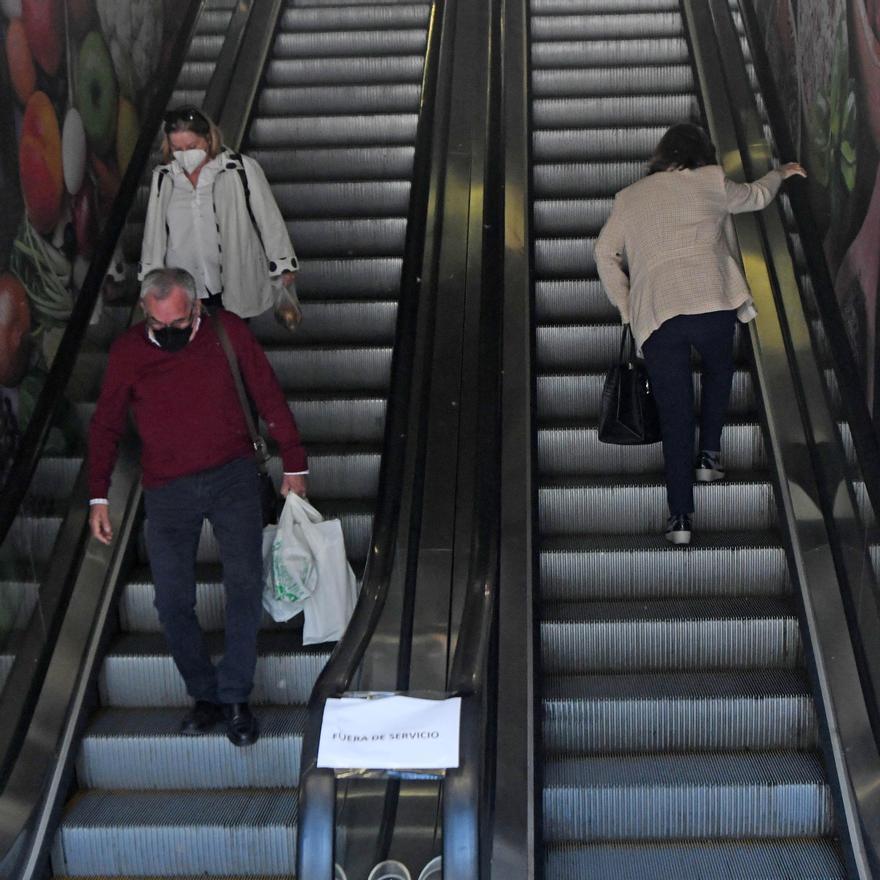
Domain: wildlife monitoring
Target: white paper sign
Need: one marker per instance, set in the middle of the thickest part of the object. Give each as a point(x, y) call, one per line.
point(390, 733)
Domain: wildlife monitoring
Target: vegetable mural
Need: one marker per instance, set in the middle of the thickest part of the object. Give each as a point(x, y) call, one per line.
point(77, 78)
point(825, 60)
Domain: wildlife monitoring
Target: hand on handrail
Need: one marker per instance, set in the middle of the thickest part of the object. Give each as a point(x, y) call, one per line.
point(99, 522)
point(792, 168)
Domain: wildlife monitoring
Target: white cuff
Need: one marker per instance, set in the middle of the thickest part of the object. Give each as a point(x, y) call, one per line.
point(98, 501)
point(295, 473)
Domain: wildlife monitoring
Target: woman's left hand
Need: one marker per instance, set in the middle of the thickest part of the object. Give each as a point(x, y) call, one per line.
point(288, 278)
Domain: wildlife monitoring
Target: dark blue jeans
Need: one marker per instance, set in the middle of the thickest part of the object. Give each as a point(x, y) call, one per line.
point(228, 497)
point(667, 354)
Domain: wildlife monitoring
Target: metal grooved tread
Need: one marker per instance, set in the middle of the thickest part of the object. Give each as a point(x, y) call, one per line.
point(679, 733)
point(334, 130)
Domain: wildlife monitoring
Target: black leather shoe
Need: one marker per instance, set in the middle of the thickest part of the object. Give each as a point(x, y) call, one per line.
point(201, 718)
point(241, 726)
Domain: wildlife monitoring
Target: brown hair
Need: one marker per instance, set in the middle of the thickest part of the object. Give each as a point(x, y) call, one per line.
point(683, 146)
point(190, 118)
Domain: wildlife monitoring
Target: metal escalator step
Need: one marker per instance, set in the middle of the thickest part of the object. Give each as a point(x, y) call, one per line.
point(863, 502)
point(138, 671)
point(343, 198)
point(578, 395)
point(300, 71)
point(638, 506)
point(356, 516)
point(335, 165)
point(594, 347)
point(143, 749)
point(752, 710)
point(379, 129)
point(19, 591)
point(778, 794)
point(606, 25)
point(815, 859)
point(55, 476)
point(195, 75)
point(343, 17)
point(357, 237)
point(631, 567)
point(343, 472)
point(579, 180)
point(567, 217)
point(616, 110)
point(32, 535)
point(597, 81)
point(332, 100)
point(575, 450)
point(564, 257)
point(586, 144)
point(240, 831)
point(205, 47)
point(137, 613)
point(674, 635)
point(350, 367)
point(347, 278)
point(573, 300)
point(340, 418)
point(346, 322)
point(587, 7)
point(378, 43)
point(609, 53)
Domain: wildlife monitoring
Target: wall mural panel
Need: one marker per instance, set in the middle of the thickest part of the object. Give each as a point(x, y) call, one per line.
point(76, 78)
point(825, 60)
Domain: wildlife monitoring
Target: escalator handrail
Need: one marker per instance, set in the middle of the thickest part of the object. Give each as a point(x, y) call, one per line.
point(317, 788)
point(849, 745)
point(864, 434)
point(37, 431)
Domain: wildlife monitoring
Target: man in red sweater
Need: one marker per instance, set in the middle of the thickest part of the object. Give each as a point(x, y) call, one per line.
point(197, 463)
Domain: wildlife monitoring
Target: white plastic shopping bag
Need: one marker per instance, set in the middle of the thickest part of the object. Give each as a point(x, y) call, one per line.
point(290, 570)
point(328, 608)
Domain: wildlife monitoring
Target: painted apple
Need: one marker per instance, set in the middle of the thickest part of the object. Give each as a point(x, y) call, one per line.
point(85, 220)
point(44, 23)
point(15, 323)
point(73, 150)
point(128, 130)
point(96, 92)
point(39, 162)
point(21, 62)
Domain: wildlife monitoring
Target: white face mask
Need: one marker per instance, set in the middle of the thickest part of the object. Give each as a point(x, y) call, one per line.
point(189, 160)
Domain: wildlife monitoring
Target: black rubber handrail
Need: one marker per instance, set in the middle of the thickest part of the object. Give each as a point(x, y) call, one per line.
point(37, 431)
point(863, 429)
point(316, 825)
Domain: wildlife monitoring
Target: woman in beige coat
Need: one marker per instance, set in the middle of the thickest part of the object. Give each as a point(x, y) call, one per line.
point(667, 259)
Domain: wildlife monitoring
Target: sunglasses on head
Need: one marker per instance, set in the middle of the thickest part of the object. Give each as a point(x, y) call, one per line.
point(186, 119)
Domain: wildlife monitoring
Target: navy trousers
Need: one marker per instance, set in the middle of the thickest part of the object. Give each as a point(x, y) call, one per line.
point(667, 354)
point(228, 497)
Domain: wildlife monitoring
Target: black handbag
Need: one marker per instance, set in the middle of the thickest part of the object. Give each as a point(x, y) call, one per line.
point(628, 412)
point(270, 500)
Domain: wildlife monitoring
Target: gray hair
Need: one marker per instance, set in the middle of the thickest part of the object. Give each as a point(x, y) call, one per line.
point(161, 282)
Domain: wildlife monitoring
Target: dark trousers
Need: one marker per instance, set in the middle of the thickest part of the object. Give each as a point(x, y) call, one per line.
point(667, 354)
point(228, 497)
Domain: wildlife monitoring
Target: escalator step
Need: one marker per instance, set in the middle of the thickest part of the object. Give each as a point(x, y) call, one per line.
point(575, 450)
point(138, 671)
point(593, 7)
point(610, 53)
point(739, 795)
point(579, 180)
point(379, 129)
point(339, 165)
point(766, 710)
point(626, 143)
point(573, 216)
point(376, 278)
point(607, 26)
point(638, 506)
point(675, 634)
point(616, 110)
point(633, 567)
point(733, 860)
point(598, 81)
point(578, 395)
point(343, 17)
point(396, 69)
point(239, 831)
point(143, 749)
point(343, 198)
point(338, 100)
point(377, 43)
point(355, 322)
point(356, 237)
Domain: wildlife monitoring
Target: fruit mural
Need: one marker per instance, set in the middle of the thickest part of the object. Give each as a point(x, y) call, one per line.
point(825, 60)
point(77, 78)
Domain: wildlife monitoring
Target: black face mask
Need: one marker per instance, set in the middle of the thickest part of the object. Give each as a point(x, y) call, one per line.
point(172, 338)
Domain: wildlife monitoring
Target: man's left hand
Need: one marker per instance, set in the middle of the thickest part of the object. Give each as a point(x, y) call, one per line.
point(295, 483)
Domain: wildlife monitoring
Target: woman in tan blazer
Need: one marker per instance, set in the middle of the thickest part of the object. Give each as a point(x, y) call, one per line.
point(667, 258)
